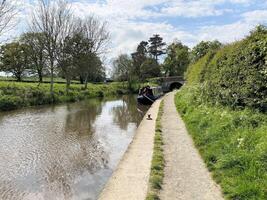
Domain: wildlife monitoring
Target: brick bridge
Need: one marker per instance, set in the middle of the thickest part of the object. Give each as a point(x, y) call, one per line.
point(171, 83)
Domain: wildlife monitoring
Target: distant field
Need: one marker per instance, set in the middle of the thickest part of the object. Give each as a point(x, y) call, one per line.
point(35, 79)
point(15, 95)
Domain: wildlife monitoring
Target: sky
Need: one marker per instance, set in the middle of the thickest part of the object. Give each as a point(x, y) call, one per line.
point(190, 21)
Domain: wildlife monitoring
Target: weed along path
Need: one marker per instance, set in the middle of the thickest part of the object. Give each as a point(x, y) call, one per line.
point(130, 180)
point(185, 174)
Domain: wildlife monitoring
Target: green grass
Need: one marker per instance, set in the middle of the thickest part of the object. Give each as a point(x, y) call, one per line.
point(35, 79)
point(15, 95)
point(157, 164)
point(233, 144)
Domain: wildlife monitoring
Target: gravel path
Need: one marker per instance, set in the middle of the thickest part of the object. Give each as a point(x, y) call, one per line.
point(186, 177)
point(130, 180)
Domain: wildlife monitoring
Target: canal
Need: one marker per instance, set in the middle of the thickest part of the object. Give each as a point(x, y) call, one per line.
point(66, 151)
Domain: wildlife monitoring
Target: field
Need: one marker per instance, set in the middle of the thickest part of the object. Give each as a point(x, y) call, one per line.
point(15, 95)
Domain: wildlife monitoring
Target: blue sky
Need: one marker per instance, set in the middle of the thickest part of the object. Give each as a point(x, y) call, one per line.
point(190, 21)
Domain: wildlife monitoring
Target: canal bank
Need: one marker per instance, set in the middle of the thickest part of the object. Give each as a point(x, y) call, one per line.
point(130, 179)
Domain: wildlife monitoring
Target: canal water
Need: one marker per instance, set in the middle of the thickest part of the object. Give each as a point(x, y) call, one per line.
point(66, 151)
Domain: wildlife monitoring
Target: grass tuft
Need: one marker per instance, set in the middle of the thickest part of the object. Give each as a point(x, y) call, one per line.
point(157, 164)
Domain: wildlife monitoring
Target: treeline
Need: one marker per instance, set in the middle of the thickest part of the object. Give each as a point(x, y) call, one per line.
point(235, 75)
point(57, 44)
point(154, 58)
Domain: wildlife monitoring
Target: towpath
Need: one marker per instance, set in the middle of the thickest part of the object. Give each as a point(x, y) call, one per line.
point(186, 177)
point(130, 180)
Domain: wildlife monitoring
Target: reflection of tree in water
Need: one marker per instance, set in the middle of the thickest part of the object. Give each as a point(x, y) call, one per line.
point(82, 152)
point(81, 118)
point(128, 112)
point(9, 190)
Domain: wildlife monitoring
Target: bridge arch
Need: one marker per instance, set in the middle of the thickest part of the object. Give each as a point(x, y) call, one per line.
point(175, 85)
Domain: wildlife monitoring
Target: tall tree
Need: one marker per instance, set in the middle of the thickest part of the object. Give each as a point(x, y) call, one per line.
point(177, 59)
point(139, 57)
point(14, 59)
point(122, 69)
point(36, 50)
point(156, 46)
point(97, 37)
point(202, 48)
point(53, 19)
point(97, 32)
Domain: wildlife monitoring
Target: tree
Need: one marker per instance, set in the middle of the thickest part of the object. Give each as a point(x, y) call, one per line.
point(139, 57)
point(8, 11)
point(36, 52)
point(123, 70)
point(149, 69)
point(122, 66)
point(14, 59)
point(156, 46)
point(98, 34)
point(53, 19)
point(203, 48)
point(177, 59)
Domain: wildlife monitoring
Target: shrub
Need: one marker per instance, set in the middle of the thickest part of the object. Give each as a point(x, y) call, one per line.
point(10, 102)
point(235, 75)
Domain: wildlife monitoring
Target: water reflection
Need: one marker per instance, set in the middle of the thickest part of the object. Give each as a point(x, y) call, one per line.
point(66, 151)
point(123, 114)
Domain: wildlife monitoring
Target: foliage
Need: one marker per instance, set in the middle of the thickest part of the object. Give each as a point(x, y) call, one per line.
point(149, 69)
point(157, 165)
point(36, 62)
point(139, 57)
point(203, 48)
point(14, 59)
point(156, 46)
point(195, 71)
point(123, 70)
point(177, 59)
point(232, 143)
point(236, 75)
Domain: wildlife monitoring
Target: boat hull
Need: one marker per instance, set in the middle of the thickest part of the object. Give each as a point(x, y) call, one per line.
point(141, 99)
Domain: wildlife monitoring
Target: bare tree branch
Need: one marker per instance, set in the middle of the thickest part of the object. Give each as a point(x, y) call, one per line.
point(8, 11)
point(53, 19)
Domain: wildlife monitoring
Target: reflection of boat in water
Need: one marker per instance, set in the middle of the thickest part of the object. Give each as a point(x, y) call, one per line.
point(148, 95)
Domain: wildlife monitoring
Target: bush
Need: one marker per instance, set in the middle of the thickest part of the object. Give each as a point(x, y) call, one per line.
point(235, 75)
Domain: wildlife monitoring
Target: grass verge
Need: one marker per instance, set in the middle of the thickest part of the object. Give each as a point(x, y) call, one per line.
point(157, 164)
point(15, 95)
point(233, 144)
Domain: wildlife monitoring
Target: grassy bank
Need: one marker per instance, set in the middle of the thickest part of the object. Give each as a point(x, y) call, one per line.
point(233, 144)
point(157, 165)
point(15, 95)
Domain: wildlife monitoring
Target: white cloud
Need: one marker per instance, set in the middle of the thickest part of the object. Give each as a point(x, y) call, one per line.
point(256, 16)
point(131, 21)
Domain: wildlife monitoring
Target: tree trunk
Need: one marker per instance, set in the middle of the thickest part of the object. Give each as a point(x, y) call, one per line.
point(40, 75)
point(52, 81)
point(18, 76)
point(81, 79)
point(67, 84)
point(86, 82)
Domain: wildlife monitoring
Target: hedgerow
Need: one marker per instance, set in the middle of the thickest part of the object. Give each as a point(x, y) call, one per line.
point(235, 75)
